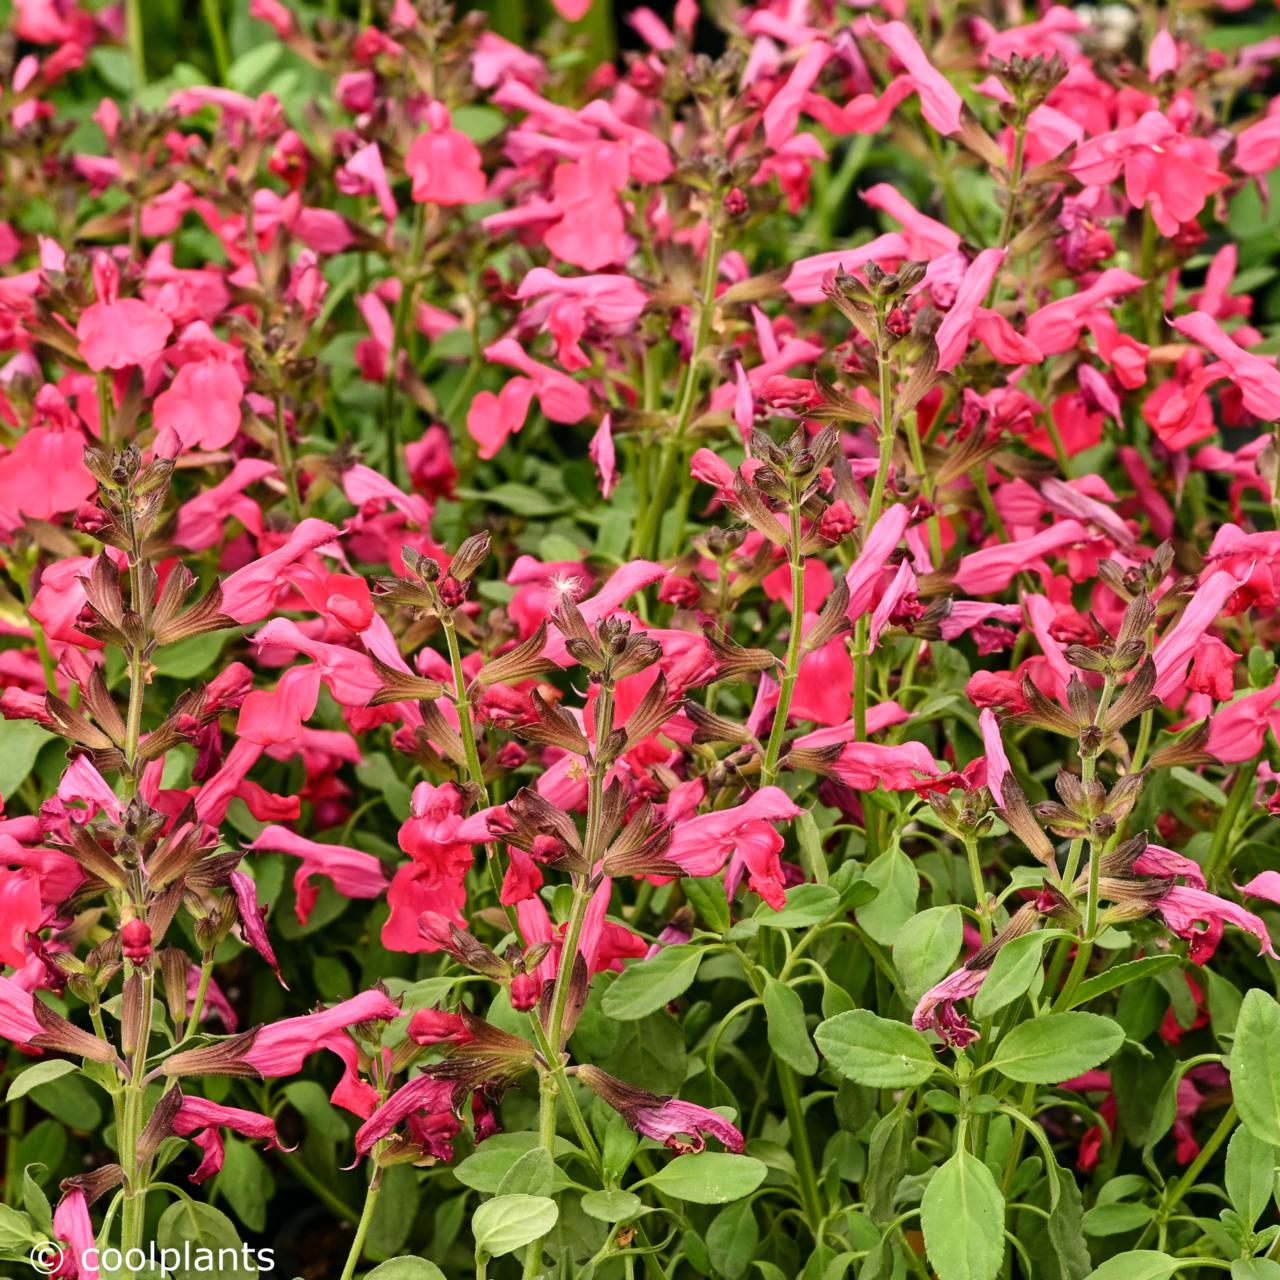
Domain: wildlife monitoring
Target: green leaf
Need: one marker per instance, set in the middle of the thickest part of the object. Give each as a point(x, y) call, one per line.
point(732, 1238)
point(894, 875)
point(16, 1230)
point(611, 1206)
point(189, 1227)
point(246, 1182)
point(788, 1034)
point(648, 985)
point(534, 1174)
point(1011, 974)
point(887, 1155)
point(1255, 1065)
point(1123, 975)
point(1251, 1175)
point(186, 659)
point(20, 743)
point(1255, 1269)
point(484, 1169)
point(520, 498)
point(1056, 1047)
point(405, 1269)
point(1139, 1264)
point(508, 1223)
point(70, 1099)
point(41, 1073)
point(962, 1214)
point(874, 1051)
point(706, 896)
point(806, 905)
point(709, 1177)
point(926, 948)
point(393, 1214)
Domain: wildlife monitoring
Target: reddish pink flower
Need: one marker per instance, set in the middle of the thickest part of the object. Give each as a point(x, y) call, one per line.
point(73, 1226)
point(203, 1121)
point(1057, 327)
point(353, 873)
point(444, 163)
point(1238, 729)
point(116, 332)
point(1199, 916)
point(1256, 378)
point(249, 594)
point(202, 405)
point(701, 845)
point(280, 1048)
point(44, 474)
point(940, 104)
point(936, 1009)
point(953, 333)
point(491, 419)
point(1172, 173)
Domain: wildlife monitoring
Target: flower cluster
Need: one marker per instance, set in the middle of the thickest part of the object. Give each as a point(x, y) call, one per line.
point(652, 661)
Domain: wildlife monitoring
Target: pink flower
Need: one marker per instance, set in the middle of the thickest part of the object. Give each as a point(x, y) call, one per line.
point(590, 232)
point(1255, 377)
point(1178, 644)
point(1265, 885)
point(203, 518)
point(1057, 327)
point(866, 573)
point(444, 163)
point(936, 1009)
point(202, 404)
point(991, 569)
point(253, 919)
point(701, 845)
point(73, 1226)
point(940, 104)
point(677, 1125)
point(603, 454)
point(1199, 916)
point(354, 874)
point(44, 474)
point(423, 1093)
point(280, 1048)
point(203, 1121)
point(1167, 170)
point(559, 396)
point(249, 594)
point(269, 717)
point(364, 174)
point(1238, 730)
point(17, 1018)
point(953, 333)
point(491, 419)
point(997, 761)
point(21, 912)
point(116, 332)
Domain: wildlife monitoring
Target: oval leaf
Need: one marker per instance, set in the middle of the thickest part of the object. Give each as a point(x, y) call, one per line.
point(962, 1214)
point(710, 1177)
point(875, 1051)
point(507, 1223)
point(646, 987)
point(1255, 1066)
point(1056, 1047)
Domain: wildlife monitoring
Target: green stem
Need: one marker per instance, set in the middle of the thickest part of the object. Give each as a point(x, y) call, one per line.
point(136, 40)
point(130, 1119)
point(979, 888)
point(133, 726)
point(644, 542)
point(285, 450)
point(217, 37)
point(463, 704)
point(1198, 1165)
point(362, 1227)
point(800, 1147)
point(886, 429)
point(792, 669)
point(1223, 833)
point(202, 991)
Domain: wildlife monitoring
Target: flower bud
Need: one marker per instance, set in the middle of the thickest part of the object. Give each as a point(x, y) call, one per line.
point(526, 989)
point(837, 522)
point(135, 941)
